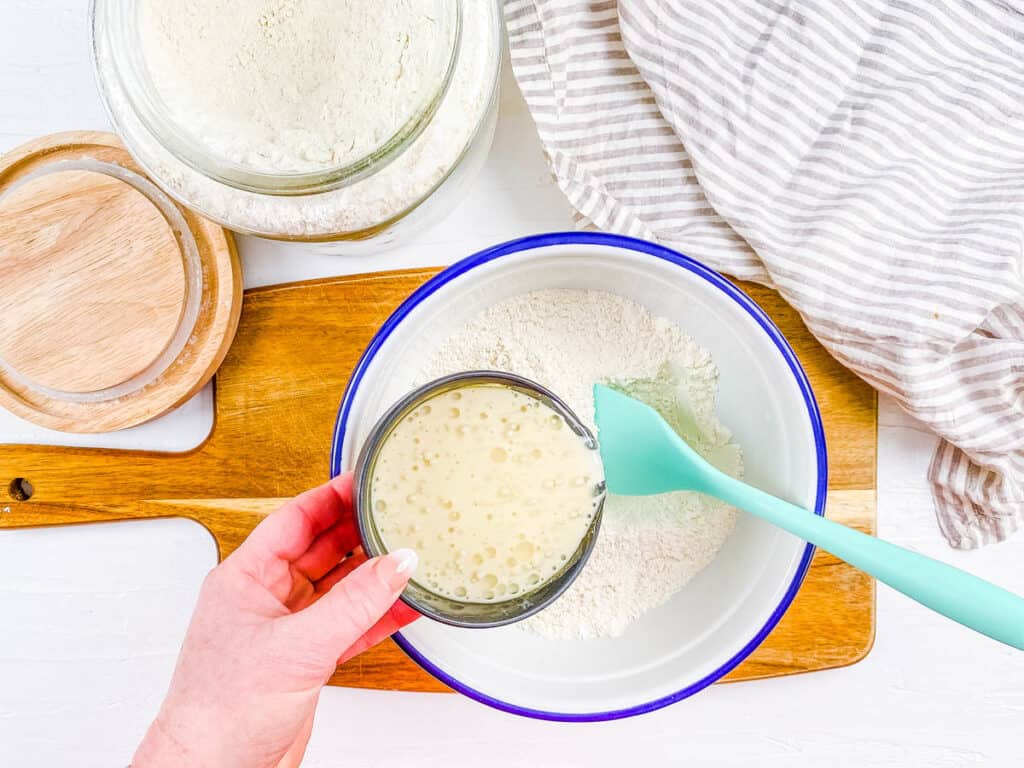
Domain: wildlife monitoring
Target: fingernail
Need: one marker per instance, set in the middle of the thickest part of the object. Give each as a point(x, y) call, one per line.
point(406, 560)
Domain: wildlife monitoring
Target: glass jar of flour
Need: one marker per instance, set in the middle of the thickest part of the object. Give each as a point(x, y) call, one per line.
point(304, 120)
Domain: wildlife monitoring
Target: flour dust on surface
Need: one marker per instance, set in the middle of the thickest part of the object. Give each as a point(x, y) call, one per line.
point(649, 547)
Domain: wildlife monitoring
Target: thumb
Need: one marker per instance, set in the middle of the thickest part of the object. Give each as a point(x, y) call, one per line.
point(354, 605)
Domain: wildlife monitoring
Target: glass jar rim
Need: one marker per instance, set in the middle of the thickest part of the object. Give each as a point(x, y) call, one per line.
point(142, 98)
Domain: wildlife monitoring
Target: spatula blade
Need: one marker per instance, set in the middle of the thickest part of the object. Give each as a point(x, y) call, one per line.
point(642, 455)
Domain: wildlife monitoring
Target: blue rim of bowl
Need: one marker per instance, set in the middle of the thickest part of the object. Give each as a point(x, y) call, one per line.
point(719, 282)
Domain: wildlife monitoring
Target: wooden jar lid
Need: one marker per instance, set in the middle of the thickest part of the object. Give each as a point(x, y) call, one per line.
point(120, 303)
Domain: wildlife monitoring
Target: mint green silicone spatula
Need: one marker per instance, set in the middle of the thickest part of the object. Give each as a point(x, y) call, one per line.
point(644, 456)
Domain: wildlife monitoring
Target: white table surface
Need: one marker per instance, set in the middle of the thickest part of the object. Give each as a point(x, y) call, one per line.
point(93, 615)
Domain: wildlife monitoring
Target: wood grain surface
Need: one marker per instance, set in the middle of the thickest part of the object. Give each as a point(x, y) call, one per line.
point(97, 273)
point(277, 394)
point(97, 302)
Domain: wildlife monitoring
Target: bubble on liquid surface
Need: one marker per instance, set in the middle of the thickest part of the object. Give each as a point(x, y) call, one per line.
point(524, 550)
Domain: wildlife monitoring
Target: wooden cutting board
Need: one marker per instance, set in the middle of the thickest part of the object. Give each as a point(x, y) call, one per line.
point(277, 394)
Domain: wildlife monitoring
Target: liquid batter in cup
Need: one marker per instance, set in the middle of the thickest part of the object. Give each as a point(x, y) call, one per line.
point(490, 486)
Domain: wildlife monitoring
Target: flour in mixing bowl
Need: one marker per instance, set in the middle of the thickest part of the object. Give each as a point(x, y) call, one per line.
point(649, 547)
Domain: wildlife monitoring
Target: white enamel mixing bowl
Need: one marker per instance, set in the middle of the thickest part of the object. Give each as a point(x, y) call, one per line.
point(764, 398)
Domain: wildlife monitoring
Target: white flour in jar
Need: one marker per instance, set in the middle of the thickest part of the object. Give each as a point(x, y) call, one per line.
point(292, 85)
point(648, 547)
point(454, 143)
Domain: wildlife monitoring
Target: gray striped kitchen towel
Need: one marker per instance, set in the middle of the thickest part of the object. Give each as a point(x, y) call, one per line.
point(864, 157)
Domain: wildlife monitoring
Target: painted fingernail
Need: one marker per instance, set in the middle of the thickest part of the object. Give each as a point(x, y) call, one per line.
point(406, 560)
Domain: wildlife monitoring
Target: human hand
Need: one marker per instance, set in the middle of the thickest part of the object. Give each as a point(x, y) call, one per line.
point(272, 622)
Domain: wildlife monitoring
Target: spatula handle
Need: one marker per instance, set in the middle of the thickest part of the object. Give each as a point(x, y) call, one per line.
point(954, 593)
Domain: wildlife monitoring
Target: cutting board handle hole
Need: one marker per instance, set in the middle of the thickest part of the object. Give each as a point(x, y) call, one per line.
point(20, 489)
